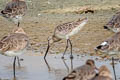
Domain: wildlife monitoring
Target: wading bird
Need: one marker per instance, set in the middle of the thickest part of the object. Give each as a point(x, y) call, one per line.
point(14, 45)
point(65, 31)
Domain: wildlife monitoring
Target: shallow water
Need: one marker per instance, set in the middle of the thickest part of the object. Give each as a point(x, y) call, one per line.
point(34, 67)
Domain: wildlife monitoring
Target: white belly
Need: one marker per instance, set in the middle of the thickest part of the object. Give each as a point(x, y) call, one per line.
point(76, 30)
point(14, 53)
point(61, 36)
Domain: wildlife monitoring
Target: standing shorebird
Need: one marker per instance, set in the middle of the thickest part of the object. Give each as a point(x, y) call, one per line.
point(64, 31)
point(84, 72)
point(111, 45)
point(103, 74)
point(114, 23)
point(14, 45)
point(14, 11)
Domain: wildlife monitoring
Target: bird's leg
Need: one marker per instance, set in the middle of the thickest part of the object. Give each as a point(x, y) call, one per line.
point(14, 66)
point(114, 68)
point(47, 50)
point(71, 56)
point(65, 49)
point(18, 61)
point(18, 24)
point(14, 78)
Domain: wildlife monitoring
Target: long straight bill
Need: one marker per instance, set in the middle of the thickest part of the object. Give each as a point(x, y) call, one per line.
point(47, 50)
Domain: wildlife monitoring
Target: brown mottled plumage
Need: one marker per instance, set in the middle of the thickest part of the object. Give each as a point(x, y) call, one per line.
point(65, 31)
point(14, 10)
point(14, 44)
point(111, 45)
point(114, 23)
point(104, 74)
point(84, 72)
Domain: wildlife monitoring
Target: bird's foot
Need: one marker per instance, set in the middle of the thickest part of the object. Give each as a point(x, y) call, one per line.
point(21, 59)
point(71, 56)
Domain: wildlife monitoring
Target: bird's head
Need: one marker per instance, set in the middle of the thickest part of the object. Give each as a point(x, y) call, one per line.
point(91, 63)
point(104, 71)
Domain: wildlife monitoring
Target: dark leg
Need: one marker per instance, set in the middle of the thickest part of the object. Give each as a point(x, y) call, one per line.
point(114, 68)
point(47, 50)
point(18, 24)
point(14, 78)
point(71, 56)
point(18, 61)
point(14, 66)
point(65, 49)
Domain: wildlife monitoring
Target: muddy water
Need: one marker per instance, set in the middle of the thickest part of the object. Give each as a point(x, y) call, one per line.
point(34, 67)
point(41, 19)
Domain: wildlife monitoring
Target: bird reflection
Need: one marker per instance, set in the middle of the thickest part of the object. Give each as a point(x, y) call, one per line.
point(66, 65)
point(46, 62)
point(68, 70)
point(71, 64)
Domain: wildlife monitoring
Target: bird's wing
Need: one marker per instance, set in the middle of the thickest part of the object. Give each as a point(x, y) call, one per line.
point(14, 42)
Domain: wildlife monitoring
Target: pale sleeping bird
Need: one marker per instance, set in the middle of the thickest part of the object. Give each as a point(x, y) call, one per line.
point(65, 31)
point(14, 11)
point(14, 44)
point(114, 23)
point(103, 74)
point(84, 72)
point(111, 45)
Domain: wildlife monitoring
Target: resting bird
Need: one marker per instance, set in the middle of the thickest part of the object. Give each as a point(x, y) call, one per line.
point(84, 72)
point(104, 74)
